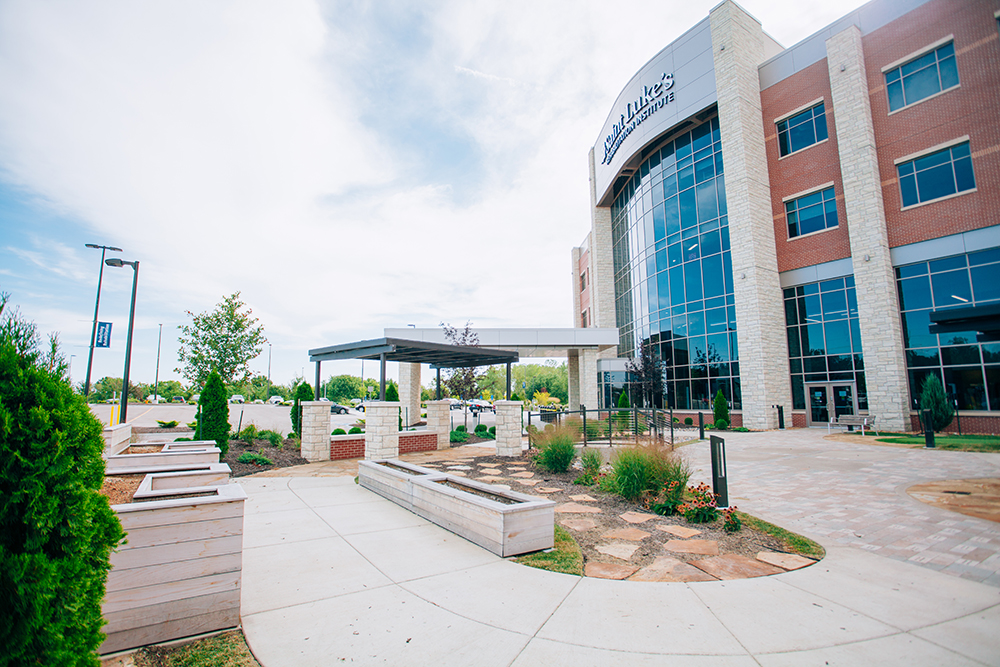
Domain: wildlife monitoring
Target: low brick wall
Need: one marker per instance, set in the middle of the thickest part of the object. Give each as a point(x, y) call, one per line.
point(978, 424)
point(347, 446)
point(417, 441)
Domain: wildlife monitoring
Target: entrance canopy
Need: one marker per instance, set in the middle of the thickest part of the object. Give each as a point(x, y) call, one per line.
point(438, 355)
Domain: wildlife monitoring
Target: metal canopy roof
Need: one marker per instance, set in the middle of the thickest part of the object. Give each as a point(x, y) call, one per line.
point(415, 352)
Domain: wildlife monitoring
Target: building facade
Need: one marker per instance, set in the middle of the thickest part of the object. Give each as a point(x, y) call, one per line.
point(816, 227)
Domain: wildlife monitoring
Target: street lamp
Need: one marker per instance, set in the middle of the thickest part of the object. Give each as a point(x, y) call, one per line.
point(131, 320)
point(156, 382)
point(269, 371)
point(93, 333)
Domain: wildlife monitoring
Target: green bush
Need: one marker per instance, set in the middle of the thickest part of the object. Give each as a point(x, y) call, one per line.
point(254, 458)
point(249, 433)
point(461, 428)
point(720, 408)
point(339, 431)
point(302, 393)
point(493, 431)
point(932, 398)
point(721, 424)
point(273, 437)
point(193, 425)
point(688, 421)
point(595, 429)
point(56, 530)
point(167, 424)
point(458, 436)
point(214, 421)
point(354, 430)
point(700, 506)
point(556, 449)
point(592, 461)
point(741, 429)
point(622, 418)
point(647, 469)
point(481, 428)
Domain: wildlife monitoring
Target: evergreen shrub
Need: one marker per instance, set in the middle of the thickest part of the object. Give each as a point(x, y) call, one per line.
point(720, 409)
point(339, 431)
point(354, 430)
point(302, 393)
point(214, 421)
point(932, 397)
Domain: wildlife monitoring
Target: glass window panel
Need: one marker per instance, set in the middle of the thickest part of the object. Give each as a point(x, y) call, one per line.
point(960, 355)
point(791, 314)
point(921, 84)
point(727, 268)
point(991, 355)
point(700, 397)
point(689, 212)
point(681, 356)
point(948, 263)
point(812, 340)
point(692, 281)
point(819, 122)
point(985, 257)
point(675, 254)
point(951, 289)
point(855, 336)
point(691, 249)
point(659, 223)
point(916, 325)
point(715, 320)
point(672, 217)
point(966, 385)
point(798, 393)
point(915, 293)
point(949, 73)
point(713, 279)
point(985, 282)
point(685, 177)
point(795, 365)
point(917, 378)
point(708, 207)
point(908, 190)
point(924, 357)
point(838, 337)
point(784, 148)
point(811, 306)
point(801, 135)
point(661, 259)
point(835, 305)
point(839, 362)
point(704, 170)
point(964, 178)
point(993, 386)
point(810, 219)
point(935, 182)
point(669, 185)
point(958, 338)
point(696, 323)
point(721, 186)
point(711, 243)
point(895, 94)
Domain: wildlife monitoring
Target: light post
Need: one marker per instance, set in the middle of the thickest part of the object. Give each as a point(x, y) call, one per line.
point(131, 320)
point(71, 369)
point(269, 371)
point(97, 304)
point(156, 382)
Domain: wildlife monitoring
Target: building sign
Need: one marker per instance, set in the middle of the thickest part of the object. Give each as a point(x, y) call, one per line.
point(653, 98)
point(103, 334)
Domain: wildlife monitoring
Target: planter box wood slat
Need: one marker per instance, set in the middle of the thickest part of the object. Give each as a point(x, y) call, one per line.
point(181, 551)
point(161, 573)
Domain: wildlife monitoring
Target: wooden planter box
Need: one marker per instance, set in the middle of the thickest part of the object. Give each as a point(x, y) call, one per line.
point(505, 522)
point(174, 456)
point(179, 573)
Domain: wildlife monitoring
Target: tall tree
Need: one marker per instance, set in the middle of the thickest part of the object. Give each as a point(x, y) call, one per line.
point(224, 341)
point(463, 383)
point(647, 371)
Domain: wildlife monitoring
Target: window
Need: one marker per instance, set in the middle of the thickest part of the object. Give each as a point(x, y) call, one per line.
point(922, 77)
point(802, 130)
point(936, 175)
point(583, 281)
point(812, 213)
point(583, 319)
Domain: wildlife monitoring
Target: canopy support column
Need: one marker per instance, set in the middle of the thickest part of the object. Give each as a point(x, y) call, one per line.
point(508, 381)
point(316, 390)
point(438, 394)
point(381, 379)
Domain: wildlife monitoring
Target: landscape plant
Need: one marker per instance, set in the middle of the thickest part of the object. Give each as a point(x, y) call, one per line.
point(480, 429)
point(645, 469)
point(214, 421)
point(622, 418)
point(339, 431)
point(591, 461)
point(254, 458)
point(688, 421)
point(303, 392)
point(933, 398)
point(556, 448)
point(167, 424)
point(731, 522)
point(249, 433)
point(457, 436)
point(354, 430)
point(273, 437)
point(720, 409)
point(721, 424)
point(56, 530)
point(700, 505)
point(222, 341)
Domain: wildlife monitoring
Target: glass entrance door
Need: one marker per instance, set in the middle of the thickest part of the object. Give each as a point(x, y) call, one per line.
point(828, 400)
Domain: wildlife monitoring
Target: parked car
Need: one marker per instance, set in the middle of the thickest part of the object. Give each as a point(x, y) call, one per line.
point(276, 400)
point(455, 403)
point(236, 398)
point(339, 409)
point(360, 407)
point(177, 399)
point(476, 405)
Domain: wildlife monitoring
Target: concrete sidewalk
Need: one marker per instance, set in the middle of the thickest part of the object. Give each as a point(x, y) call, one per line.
point(333, 573)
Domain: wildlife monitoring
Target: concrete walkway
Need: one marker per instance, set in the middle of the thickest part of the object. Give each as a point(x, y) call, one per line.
point(334, 573)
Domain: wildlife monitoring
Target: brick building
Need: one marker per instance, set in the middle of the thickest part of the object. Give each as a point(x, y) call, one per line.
point(815, 227)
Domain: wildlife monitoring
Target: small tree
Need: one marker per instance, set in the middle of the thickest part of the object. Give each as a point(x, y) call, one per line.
point(720, 408)
point(303, 392)
point(56, 530)
point(622, 417)
point(391, 393)
point(933, 398)
point(223, 341)
point(647, 370)
point(213, 424)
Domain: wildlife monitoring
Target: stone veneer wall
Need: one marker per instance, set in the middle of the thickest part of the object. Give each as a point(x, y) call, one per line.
point(573, 369)
point(738, 49)
point(409, 392)
point(439, 421)
point(508, 428)
point(315, 430)
point(602, 265)
point(382, 430)
point(875, 285)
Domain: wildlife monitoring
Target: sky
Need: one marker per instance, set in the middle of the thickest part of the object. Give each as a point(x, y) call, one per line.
point(345, 166)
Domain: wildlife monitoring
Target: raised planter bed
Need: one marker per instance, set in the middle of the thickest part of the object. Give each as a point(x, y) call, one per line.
point(179, 573)
point(172, 456)
point(505, 522)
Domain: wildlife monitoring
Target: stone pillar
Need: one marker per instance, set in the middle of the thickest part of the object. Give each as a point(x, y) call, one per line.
point(438, 421)
point(738, 48)
point(602, 264)
point(315, 430)
point(382, 430)
point(573, 384)
point(508, 428)
point(589, 393)
point(575, 277)
point(875, 283)
point(409, 392)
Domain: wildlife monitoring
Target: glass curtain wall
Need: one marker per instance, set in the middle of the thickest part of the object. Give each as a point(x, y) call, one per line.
point(967, 363)
point(673, 272)
point(824, 337)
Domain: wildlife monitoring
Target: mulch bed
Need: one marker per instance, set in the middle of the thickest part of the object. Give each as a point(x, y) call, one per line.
point(746, 542)
point(288, 455)
point(120, 488)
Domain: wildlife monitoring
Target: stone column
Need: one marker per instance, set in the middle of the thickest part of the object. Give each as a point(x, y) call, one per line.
point(874, 279)
point(738, 48)
point(315, 430)
point(409, 392)
point(382, 430)
point(508, 428)
point(602, 264)
point(589, 393)
point(573, 366)
point(575, 277)
point(438, 421)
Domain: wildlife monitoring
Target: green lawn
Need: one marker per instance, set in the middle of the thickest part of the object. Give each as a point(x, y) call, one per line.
point(228, 649)
point(565, 556)
point(962, 443)
point(796, 543)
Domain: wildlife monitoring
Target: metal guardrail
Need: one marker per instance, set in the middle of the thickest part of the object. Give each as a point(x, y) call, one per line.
point(616, 426)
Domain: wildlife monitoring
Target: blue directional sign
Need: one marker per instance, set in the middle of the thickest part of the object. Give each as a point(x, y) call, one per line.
point(103, 334)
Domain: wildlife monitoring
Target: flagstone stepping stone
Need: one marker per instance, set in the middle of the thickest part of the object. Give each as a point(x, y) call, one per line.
point(637, 517)
point(584, 498)
point(608, 570)
point(527, 482)
point(734, 566)
point(525, 475)
point(489, 479)
point(459, 467)
point(666, 568)
point(618, 550)
point(489, 465)
point(679, 531)
point(701, 547)
point(582, 525)
point(633, 534)
point(459, 473)
point(554, 489)
point(573, 508)
point(784, 561)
